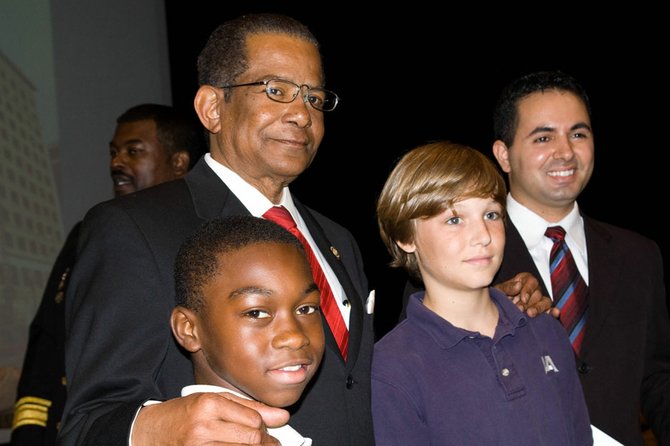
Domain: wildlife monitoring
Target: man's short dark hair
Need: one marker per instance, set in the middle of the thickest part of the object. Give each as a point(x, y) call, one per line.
point(176, 130)
point(506, 114)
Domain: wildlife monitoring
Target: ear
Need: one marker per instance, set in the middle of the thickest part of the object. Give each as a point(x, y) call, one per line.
point(184, 327)
point(501, 152)
point(407, 247)
point(207, 102)
point(180, 163)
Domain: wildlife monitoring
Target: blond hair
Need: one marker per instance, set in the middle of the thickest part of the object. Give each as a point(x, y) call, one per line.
point(427, 181)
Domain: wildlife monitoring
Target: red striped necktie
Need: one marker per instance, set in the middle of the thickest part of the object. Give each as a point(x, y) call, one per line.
point(569, 289)
point(281, 216)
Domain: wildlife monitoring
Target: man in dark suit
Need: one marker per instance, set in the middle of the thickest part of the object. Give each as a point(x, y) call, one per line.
point(261, 98)
point(152, 143)
point(544, 142)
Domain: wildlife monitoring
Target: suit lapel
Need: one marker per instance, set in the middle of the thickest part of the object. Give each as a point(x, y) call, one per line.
point(211, 197)
point(604, 264)
point(517, 258)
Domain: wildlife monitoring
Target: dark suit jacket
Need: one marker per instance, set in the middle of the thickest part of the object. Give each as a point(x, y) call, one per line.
point(120, 349)
point(624, 362)
point(42, 381)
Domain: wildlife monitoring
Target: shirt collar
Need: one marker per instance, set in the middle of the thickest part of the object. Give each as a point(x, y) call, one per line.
point(447, 335)
point(251, 198)
point(286, 435)
point(531, 226)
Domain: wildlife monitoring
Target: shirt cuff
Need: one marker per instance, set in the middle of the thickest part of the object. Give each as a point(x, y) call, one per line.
point(132, 425)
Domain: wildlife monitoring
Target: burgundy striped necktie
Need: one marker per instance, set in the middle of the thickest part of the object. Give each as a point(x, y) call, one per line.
point(281, 216)
point(569, 289)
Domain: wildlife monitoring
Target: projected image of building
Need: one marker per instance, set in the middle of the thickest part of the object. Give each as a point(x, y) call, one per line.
point(30, 221)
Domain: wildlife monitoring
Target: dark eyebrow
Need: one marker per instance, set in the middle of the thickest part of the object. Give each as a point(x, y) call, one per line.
point(581, 125)
point(545, 129)
point(249, 290)
point(127, 143)
point(311, 288)
point(264, 291)
point(548, 129)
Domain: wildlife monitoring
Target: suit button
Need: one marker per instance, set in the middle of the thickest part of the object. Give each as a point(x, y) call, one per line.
point(350, 382)
point(583, 368)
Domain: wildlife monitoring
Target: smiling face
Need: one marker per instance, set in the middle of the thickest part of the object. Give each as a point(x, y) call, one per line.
point(551, 158)
point(460, 249)
point(266, 142)
point(260, 330)
point(138, 159)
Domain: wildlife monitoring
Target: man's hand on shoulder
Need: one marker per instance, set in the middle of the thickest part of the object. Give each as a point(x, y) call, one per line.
point(525, 291)
point(204, 418)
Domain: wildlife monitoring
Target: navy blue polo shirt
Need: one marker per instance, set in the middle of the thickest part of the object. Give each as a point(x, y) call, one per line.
point(436, 384)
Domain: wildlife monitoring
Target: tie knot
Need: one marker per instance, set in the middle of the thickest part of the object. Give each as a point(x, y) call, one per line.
point(556, 233)
point(281, 216)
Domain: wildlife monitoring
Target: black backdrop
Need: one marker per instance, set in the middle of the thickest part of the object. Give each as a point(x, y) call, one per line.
point(407, 76)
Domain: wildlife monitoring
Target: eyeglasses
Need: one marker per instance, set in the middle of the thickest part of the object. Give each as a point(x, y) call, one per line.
point(280, 90)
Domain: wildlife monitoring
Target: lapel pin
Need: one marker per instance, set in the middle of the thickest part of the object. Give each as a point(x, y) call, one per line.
point(335, 252)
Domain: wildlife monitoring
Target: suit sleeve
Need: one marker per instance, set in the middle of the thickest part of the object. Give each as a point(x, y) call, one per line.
point(656, 381)
point(113, 350)
point(41, 390)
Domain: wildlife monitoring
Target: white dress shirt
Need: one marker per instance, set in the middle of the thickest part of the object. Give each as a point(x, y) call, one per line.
point(531, 227)
point(286, 435)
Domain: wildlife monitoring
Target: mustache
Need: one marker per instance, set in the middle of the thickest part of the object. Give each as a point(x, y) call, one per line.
point(119, 173)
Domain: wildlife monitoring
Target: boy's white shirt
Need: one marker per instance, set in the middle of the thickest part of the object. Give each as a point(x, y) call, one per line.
point(286, 435)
